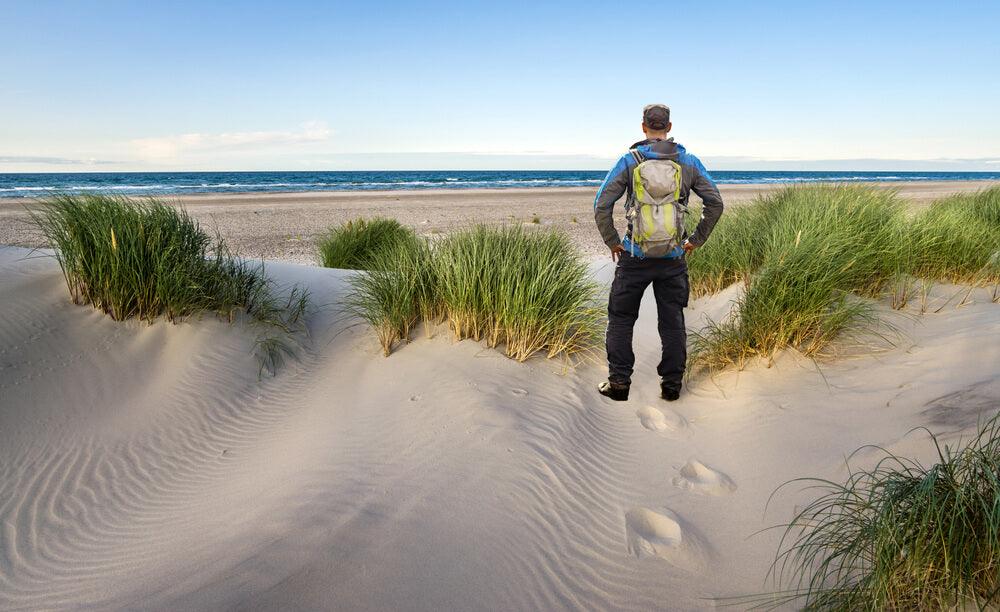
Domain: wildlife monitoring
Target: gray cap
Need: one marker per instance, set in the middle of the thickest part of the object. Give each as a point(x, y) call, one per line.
point(656, 116)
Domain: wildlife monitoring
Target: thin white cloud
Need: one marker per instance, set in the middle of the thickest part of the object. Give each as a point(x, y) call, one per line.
point(53, 161)
point(170, 147)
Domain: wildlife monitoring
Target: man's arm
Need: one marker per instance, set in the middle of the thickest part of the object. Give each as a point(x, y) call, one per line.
point(611, 190)
point(712, 206)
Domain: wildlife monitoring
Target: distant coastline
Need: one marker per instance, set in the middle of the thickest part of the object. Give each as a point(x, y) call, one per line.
point(27, 185)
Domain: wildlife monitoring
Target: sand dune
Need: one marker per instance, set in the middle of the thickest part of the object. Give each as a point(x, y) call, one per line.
point(145, 466)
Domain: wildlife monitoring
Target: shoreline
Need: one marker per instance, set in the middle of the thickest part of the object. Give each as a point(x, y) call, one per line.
point(284, 226)
point(964, 184)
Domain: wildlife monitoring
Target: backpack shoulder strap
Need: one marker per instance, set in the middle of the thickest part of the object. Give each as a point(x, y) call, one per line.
point(637, 157)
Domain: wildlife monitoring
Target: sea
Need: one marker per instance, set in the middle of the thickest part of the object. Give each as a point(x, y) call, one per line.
point(174, 183)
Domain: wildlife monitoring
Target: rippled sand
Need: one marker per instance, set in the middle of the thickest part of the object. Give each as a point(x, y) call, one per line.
point(146, 466)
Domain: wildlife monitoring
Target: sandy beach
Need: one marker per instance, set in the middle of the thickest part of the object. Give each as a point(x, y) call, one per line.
point(145, 466)
point(309, 307)
point(284, 226)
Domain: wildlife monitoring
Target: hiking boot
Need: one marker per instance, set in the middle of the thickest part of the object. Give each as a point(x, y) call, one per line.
point(615, 391)
point(670, 391)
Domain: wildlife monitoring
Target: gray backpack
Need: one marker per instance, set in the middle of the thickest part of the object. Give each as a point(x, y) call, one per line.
point(657, 215)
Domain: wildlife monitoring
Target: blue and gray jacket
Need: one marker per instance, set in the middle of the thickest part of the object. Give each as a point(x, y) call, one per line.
point(694, 178)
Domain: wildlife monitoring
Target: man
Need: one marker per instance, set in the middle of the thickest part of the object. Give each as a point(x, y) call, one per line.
point(650, 255)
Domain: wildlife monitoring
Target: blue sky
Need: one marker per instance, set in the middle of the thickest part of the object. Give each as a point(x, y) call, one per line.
point(89, 86)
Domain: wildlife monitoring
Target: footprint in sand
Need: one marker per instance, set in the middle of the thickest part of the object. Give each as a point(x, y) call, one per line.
point(521, 392)
point(655, 419)
point(664, 535)
point(696, 476)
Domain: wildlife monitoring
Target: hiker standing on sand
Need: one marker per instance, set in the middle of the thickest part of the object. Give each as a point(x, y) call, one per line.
point(657, 175)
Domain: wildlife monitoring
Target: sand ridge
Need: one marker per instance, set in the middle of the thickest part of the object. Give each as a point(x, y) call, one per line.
point(145, 466)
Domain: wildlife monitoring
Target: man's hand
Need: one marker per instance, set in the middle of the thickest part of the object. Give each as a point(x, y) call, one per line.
point(616, 252)
point(688, 247)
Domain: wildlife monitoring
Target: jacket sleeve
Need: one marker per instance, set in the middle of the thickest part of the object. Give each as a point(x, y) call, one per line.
point(611, 191)
point(712, 206)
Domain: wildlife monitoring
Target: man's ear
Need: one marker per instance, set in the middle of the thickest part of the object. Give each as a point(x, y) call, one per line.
point(645, 130)
point(669, 127)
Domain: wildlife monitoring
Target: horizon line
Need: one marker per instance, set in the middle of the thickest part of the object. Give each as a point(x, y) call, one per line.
point(467, 170)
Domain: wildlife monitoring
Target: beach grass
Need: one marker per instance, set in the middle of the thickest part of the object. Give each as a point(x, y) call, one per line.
point(396, 293)
point(358, 243)
point(901, 536)
point(143, 259)
point(805, 256)
point(957, 239)
point(527, 292)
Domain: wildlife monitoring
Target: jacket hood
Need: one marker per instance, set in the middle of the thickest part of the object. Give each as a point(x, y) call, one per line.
point(659, 149)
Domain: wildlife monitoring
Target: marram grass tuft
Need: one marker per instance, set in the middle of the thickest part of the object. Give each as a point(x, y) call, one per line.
point(526, 292)
point(900, 536)
point(957, 239)
point(396, 293)
point(143, 259)
point(804, 255)
point(808, 257)
point(359, 243)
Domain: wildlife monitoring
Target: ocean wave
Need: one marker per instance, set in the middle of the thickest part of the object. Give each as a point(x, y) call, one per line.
point(247, 185)
point(28, 185)
point(824, 179)
point(85, 188)
point(547, 181)
point(388, 183)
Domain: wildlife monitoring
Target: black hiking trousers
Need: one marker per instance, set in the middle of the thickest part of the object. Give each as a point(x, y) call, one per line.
point(670, 287)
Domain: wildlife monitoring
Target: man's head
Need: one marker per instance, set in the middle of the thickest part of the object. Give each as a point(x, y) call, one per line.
point(656, 120)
